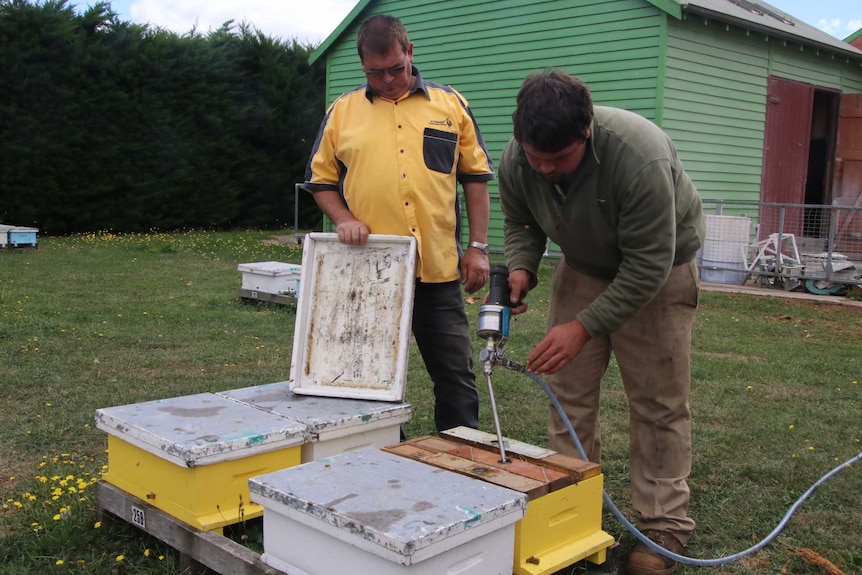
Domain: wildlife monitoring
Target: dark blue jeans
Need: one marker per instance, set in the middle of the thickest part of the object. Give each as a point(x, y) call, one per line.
point(442, 334)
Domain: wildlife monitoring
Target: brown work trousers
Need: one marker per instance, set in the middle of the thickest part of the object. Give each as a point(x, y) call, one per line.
point(653, 350)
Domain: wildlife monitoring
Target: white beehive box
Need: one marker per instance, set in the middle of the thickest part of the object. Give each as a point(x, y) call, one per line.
point(353, 319)
point(270, 277)
point(4, 235)
point(192, 456)
point(335, 425)
point(371, 512)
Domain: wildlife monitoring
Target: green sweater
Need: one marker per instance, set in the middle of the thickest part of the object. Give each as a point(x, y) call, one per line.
point(630, 214)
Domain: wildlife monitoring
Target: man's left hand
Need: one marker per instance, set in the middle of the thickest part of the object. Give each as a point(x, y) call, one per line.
point(475, 270)
point(562, 343)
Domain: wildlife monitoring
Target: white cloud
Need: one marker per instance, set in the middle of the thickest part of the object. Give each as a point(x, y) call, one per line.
point(830, 26)
point(306, 20)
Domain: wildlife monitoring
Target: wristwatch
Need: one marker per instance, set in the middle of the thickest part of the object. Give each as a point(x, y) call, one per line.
point(479, 246)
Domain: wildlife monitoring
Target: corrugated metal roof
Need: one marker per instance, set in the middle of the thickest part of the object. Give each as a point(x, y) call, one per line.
point(770, 20)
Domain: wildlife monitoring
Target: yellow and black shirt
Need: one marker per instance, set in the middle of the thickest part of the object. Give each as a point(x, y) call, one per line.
point(396, 164)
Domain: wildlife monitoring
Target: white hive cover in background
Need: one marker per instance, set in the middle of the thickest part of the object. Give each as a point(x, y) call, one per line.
point(353, 318)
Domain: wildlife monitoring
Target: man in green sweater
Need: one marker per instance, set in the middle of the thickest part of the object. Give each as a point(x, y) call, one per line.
point(607, 186)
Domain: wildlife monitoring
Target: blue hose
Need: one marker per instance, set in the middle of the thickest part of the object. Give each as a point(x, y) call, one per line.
point(643, 539)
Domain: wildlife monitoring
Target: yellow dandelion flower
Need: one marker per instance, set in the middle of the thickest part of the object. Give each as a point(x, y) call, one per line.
point(810, 448)
point(59, 562)
point(97, 524)
point(146, 552)
point(56, 517)
point(791, 426)
point(120, 558)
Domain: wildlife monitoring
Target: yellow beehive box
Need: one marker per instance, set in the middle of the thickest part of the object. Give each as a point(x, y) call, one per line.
point(563, 522)
point(192, 456)
point(562, 528)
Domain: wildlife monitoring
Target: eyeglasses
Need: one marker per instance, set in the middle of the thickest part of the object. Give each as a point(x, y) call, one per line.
point(392, 71)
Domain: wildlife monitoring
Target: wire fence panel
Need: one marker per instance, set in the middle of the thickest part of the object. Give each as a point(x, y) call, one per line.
point(804, 246)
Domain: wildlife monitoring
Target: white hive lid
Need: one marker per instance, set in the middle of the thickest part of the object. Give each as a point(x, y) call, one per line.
point(200, 429)
point(389, 505)
point(322, 415)
point(353, 318)
point(269, 268)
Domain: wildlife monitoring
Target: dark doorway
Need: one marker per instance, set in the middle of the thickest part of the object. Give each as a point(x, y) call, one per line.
point(821, 154)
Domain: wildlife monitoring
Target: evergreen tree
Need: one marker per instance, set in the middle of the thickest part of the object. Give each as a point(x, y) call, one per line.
point(109, 125)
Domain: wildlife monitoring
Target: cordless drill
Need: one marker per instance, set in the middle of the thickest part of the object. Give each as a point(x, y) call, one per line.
point(494, 314)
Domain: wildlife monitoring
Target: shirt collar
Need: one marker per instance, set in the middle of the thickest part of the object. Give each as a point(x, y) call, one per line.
point(418, 86)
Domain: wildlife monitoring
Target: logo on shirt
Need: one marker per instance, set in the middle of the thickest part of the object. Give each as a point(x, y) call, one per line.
point(447, 122)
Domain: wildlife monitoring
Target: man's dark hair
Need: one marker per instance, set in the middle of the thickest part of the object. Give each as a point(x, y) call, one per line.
point(554, 110)
point(379, 34)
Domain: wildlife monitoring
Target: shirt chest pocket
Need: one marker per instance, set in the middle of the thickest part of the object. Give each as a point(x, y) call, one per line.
point(438, 149)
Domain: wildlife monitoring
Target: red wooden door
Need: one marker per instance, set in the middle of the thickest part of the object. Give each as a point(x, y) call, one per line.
point(847, 184)
point(785, 153)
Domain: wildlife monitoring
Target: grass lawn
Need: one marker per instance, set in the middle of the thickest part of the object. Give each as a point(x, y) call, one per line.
point(100, 320)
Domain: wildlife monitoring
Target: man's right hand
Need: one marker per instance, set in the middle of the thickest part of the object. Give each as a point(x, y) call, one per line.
point(519, 284)
point(352, 232)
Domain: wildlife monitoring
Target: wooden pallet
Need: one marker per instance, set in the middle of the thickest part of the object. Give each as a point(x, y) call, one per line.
point(199, 550)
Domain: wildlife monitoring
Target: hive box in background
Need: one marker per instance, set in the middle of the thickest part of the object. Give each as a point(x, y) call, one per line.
point(19, 236)
point(372, 512)
point(4, 235)
point(275, 278)
point(334, 425)
point(192, 456)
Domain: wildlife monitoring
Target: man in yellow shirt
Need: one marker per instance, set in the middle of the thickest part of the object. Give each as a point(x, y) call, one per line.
point(387, 160)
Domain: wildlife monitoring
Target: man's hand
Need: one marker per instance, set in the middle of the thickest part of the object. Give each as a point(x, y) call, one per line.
point(352, 232)
point(562, 343)
point(475, 270)
point(349, 229)
point(519, 284)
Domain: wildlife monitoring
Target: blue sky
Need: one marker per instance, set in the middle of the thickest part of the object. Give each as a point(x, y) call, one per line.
point(311, 21)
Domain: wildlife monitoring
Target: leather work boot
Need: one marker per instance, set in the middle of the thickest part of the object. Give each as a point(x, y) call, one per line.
point(645, 561)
